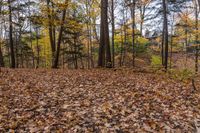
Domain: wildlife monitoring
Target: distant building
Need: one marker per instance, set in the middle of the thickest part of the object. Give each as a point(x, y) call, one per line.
point(153, 37)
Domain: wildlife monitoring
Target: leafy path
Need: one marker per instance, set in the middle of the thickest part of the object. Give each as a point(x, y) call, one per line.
point(95, 101)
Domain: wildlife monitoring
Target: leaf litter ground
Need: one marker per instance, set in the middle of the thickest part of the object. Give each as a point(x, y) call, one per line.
point(96, 101)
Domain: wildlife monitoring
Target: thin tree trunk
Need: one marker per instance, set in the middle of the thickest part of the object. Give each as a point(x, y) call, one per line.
point(88, 46)
point(162, 45)
point(125, 38)
point(113, 33)
point(1, 53)
point(51, 31)
point(11, 36)
point(1, 57)
point(166, 32)
point(121, 51)
point(142, 15)
point(30, 37)
point(133, 33)
point(75, 52)
point(186, 41)
point(172, 30)
point(56, 62)
point(95, 31)
point(38, 49)
point(91, 48)
point(171, 52)
point(196, 38)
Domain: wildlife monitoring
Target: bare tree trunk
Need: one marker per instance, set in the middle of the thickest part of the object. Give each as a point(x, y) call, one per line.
point(30, 37)
point(121, 51)
point(142, 15)
point(107, 41)
point(1, 57)
point(165, 32)
point(11, 36)
point(38, 49)
point(104, 48)
point(133, 33)
point(56, 62)
point(1, 54)
point(88, 46)
point(91, 49)
point(101, 60)
point(162, 45)
point(75, 52)
point(89, 31)
point(197, 37)
point(51, 31)
point(17, 38)
point(171, 45)
point(125, 37)
point(113, 33)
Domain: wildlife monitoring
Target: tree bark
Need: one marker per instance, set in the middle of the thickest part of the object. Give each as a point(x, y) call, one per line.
point(133, 33)
point(165, 12)
point(51, 31)
point(56, 62)
point(1, 58)
point(196, 38)
point(162, 45)
point(104, 48)
point(12, 53)
point(38, 48)
point(31, 37)
point(1, 54)
point(113, 33)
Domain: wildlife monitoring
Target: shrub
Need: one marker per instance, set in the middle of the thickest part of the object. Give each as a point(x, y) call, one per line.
point(156, 61)
point(181, 75)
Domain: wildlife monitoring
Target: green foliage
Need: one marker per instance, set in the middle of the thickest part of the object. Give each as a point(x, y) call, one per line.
point(182, 75)
point(141, 44)
point(141, 48)
point(156, 61)
point(142, 41)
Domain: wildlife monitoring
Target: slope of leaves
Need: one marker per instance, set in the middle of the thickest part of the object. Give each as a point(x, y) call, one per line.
point(96, 101)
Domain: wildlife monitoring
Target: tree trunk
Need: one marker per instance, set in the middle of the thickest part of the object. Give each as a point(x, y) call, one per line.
point(142, 17)
point(12, 53)
point(88, 46)
point(165, 10)
point(133, 33)
point(121, 50)
point(171, 42)
point(104, 48)
point(38, 49)
point(1, 58)
point(51, 32)
point(101, 60)
point(162, 45)
point(31, 37)
point(56, 62)
point(1, 54)
point(196, 37)
point(113, 33)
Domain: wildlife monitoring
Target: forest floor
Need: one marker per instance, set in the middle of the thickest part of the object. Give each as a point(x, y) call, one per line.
point(96, 101)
